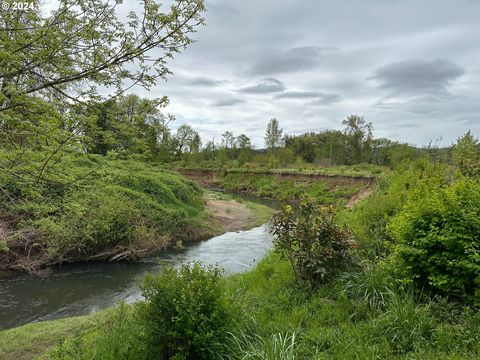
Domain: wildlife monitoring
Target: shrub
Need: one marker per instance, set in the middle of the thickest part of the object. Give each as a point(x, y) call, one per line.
point(370, 217)
point(102, 209)
point(186, 312)
point(309, 237)
point(438, 238)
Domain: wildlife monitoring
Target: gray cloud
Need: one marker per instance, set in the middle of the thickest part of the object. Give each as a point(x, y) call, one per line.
point(267, 86)
point(249, 40)
point(319, 98)
point(471, 121)
point(227, 102)
point(291, 60)
point(408, 125)
point(417, 76)
point(326, 99)
point(299, 95)
point(204, 82)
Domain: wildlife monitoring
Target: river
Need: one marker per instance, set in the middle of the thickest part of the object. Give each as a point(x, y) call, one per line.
point(80, 289)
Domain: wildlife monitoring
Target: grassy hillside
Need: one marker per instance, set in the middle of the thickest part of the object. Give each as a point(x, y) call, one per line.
point(109, 208)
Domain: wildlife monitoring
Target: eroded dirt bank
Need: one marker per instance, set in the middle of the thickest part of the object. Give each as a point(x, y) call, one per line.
point(213, 178)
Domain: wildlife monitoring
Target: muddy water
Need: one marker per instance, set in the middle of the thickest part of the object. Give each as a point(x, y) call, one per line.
point(80, 289)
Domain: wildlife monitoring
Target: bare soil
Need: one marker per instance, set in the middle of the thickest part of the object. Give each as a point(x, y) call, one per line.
point(359, 196)
point(231, 214)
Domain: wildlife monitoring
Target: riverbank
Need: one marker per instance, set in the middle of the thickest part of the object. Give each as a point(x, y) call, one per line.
point(223, 213)
point(119, 210)
point(38, 337)
point(284, 185)
point(332, 322)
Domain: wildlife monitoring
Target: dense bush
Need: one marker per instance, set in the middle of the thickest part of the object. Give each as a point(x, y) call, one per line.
point(186, 313)
point(370, 218)
point(309, 237)
point(437, 235)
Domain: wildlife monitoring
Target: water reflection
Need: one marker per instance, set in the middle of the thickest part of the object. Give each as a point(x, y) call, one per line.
point(80, 289)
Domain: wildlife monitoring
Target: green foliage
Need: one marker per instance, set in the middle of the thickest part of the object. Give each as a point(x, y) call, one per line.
point(186, 313)
point(369, 218)
point(273, 134)
point(437, 238)
point(309, 237)
point(60, 111)
point(373, 287)
point(327, 323)
point(4, 246)
point(358, 138)
point(466, 155)
point(244, 156)
point(53, 44)
point(117, 203)
point(129, 126)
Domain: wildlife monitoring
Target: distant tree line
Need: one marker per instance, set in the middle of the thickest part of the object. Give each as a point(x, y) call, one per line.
point(130, 125)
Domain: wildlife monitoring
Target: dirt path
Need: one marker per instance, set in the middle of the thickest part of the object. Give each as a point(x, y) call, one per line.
point(359, 196)
point(231, 214)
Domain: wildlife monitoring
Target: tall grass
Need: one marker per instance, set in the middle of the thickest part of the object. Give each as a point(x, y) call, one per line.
point(280, 346)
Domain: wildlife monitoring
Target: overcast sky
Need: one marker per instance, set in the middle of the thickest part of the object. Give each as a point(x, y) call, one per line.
point(410, 67)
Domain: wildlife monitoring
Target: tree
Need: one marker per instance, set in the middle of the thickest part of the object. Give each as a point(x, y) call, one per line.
point(184, 137)
point(243, 142)
point(303, 146)
point(228, 140)
point(208, 151)
point(84, 41)
point(466, 155)
point(51, 66)
point(195, 143)
point(273, 135)
point(359, 137)
point(127, 125)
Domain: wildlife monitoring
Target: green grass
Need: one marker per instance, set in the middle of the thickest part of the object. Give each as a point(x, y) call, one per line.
point(332, 323)
point(283, 318)
point(31, 340)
